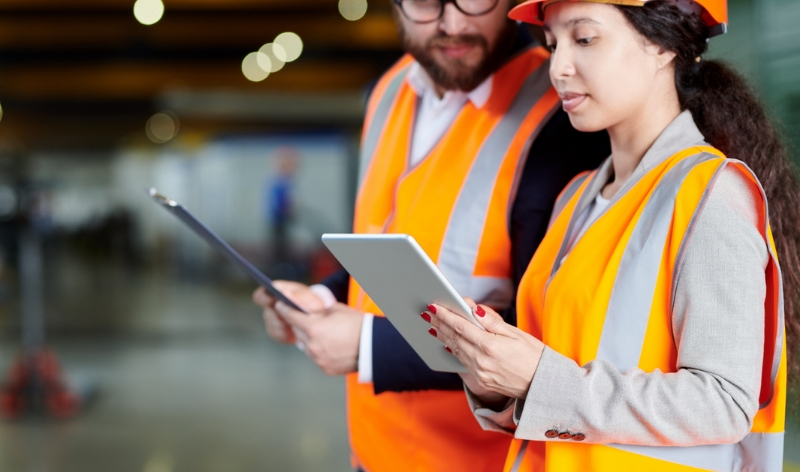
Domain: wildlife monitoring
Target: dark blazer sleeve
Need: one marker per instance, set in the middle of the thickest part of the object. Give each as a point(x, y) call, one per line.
point(338, 283)
point(557, 155)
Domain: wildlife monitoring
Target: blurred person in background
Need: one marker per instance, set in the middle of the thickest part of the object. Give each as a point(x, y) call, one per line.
point(464, 133)
point(278, 202)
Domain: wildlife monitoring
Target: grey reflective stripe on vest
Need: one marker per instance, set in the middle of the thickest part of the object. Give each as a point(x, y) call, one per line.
point(757, 452)
point(379, 119)
point(520, 455)
point(635, 284)
point(776, 359)
point(625, 327)
point(566, 196)
point(583, 201)
point(462, 240)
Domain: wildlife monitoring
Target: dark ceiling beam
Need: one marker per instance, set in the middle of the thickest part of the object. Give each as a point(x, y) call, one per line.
point(125, 81)
point(195, 31)
point(16, 5)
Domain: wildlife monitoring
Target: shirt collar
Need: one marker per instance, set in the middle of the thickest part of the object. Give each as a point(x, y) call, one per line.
point(422, 84)
point(681, 134)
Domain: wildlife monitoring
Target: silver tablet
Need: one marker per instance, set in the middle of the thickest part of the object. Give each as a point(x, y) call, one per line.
point(402, 280)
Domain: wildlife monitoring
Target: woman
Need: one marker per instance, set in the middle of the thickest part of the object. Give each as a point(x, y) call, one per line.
point(653, 312)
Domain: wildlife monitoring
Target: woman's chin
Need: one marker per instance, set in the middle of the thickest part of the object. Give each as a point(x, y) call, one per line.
point(585, 124)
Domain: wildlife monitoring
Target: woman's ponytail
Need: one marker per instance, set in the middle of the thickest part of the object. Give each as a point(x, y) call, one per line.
point(731, 117)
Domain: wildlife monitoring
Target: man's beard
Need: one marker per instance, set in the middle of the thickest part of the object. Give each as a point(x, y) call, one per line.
point(456, 75)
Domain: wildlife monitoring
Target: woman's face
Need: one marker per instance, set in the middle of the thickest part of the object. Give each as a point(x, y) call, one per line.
point(605, 72)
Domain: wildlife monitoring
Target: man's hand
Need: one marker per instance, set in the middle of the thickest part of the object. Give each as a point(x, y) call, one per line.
point(331, 338)
point(300, 294)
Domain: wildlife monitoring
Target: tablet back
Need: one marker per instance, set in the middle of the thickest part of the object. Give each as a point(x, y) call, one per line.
point(402, 280)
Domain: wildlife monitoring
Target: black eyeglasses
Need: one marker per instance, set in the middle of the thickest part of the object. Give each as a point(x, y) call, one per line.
point(427, 11)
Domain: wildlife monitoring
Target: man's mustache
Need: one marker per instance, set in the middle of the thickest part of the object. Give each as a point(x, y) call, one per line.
point(444, 41)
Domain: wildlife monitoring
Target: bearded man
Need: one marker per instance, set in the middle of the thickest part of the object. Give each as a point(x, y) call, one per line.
point(465, 148)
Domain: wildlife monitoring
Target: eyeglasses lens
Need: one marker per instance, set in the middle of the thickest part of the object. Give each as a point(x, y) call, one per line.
point(425, 11)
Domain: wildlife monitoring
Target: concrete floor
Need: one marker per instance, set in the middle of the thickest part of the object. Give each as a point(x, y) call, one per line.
point(230, 404)
point(186, 378)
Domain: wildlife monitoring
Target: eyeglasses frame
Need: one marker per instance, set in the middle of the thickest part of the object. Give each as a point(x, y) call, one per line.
point(442, 3)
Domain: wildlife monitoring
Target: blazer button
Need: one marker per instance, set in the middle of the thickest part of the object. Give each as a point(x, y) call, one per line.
point(578, 437)
point(552, 434)
point(565, 435)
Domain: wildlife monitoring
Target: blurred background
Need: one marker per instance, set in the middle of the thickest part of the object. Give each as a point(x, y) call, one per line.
point(249, 113)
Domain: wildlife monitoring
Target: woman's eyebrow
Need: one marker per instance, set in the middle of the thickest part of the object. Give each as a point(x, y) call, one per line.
point(576, 21)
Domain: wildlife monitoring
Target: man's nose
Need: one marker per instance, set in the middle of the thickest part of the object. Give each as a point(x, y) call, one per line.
point(453, 22)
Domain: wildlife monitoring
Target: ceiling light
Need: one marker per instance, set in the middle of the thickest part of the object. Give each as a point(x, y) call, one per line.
point(148, 12)
point(277, 57)
point(353, 10)
point(251, 68)
point(291, 43)
point(162, 127)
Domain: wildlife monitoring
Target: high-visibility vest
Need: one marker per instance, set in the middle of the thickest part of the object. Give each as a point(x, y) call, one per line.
point(456, 204)
point(611, 299)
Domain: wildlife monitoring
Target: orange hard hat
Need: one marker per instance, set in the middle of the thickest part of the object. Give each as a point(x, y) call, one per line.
point(714, 12)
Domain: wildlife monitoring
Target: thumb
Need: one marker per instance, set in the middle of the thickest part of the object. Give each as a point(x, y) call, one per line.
point(489, 319)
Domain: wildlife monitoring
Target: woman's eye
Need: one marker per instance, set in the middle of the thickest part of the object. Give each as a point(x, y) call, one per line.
point(584, 41)
point(551, 48)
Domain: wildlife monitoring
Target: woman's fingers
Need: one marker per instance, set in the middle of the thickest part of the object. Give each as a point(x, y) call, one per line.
point(458, 326)
point(491, 321)
point(458, 334)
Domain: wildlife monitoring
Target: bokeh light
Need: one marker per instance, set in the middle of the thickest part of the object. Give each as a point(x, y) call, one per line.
point(251, 68)
point(291, 43)
point(162, 127)
point(353, 10)
point(148, 12)
point(277, 57)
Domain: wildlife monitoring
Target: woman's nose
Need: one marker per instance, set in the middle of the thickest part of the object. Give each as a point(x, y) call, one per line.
point(561, 64)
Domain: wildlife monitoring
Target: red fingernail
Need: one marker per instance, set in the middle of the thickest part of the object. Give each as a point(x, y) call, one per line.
point(480, 311)
point(432, 309)
point(448, 349)
point(426, 317)
point(432, 332)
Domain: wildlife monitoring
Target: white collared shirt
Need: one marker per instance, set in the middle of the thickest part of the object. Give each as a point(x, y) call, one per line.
point(435, 115)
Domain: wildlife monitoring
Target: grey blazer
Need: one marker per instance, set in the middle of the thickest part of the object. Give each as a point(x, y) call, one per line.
point(718, 327)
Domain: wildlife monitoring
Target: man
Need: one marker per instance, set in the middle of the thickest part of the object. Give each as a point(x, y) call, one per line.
point(465, 148)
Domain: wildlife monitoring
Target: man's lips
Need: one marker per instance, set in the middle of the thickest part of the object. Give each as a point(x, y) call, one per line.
point(457, 51)
point(570, 100)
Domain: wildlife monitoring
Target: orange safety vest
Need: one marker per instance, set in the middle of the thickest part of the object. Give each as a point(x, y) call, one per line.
point(455, 203)
point(612, 299)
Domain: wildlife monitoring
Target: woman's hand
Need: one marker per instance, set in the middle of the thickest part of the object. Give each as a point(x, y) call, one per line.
point(502, 359)
point(488, 398)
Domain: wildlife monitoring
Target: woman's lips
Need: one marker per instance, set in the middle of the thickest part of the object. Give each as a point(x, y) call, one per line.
point(570, 101)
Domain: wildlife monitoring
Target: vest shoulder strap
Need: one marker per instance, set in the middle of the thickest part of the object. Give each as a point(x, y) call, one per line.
point(566, 195)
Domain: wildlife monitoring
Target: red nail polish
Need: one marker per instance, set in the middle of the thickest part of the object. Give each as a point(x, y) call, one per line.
point(432, 309)
point(480, 311)
point(426, 317)
point(432, 332)
point(448, 349)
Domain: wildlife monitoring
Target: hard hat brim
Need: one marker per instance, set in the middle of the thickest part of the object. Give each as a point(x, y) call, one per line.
point(715, 11)
point(528, 12)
